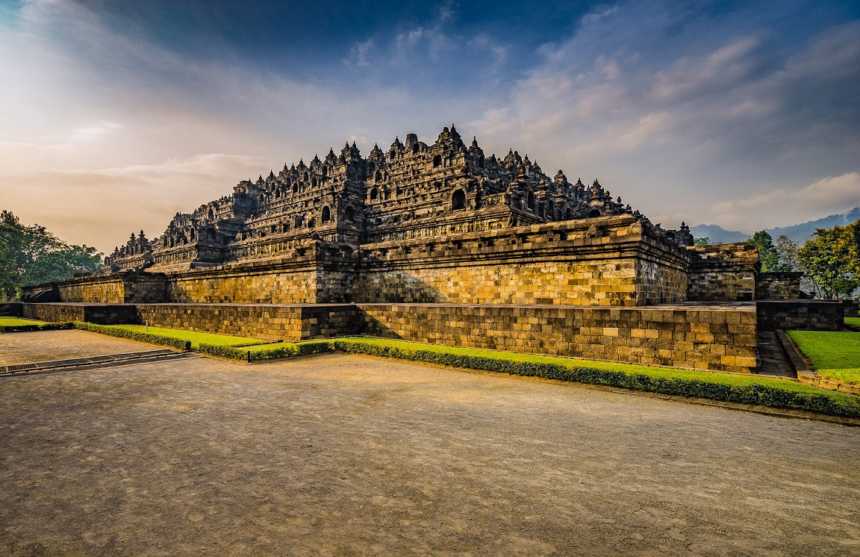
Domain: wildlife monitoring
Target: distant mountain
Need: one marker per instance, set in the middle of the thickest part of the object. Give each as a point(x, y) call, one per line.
point(801, 232)
point(716, 234)
point(797, 232)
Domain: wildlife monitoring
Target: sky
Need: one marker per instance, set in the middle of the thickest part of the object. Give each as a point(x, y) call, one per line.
point(116, 115)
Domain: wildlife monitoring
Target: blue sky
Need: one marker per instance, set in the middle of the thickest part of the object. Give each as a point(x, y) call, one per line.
point(118, 114)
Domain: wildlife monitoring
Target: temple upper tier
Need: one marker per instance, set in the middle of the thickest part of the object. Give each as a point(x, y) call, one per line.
point(412, 190)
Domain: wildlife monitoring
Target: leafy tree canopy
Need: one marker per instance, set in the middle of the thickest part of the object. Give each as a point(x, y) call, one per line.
point(32, 255)
point(831, 259)
point(767, 254)
point(786, 252)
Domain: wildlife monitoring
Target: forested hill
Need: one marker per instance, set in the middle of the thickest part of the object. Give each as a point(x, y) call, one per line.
point(797, 232)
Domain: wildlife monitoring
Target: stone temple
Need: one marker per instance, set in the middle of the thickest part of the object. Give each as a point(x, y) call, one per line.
point(439, 242)
point(416, 223)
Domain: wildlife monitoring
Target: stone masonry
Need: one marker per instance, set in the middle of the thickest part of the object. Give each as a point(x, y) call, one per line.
point(714, 338)
point(455, 245)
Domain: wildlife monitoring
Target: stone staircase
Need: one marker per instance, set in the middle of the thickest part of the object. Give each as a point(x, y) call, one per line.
point(772, 357)
point(91, 362)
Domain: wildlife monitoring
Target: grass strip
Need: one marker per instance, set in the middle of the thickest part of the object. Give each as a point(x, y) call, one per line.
point(196, 338)
point(834, 354)
point(853, 322)
point(829, 349)
point(727, 387)
point(116, 331)
point(10, 324)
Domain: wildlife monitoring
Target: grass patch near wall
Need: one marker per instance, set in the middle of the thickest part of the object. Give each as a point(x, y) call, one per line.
point(737, 388)
point(196, 338)
point(834, 354)
point(10, 324)
point(853, 322)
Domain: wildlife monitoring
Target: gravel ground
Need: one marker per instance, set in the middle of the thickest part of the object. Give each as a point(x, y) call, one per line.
point(348, 455)
point(43, 346)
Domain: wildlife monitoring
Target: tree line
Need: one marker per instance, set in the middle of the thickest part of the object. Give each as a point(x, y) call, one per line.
point(830, 259)
point(32, 255)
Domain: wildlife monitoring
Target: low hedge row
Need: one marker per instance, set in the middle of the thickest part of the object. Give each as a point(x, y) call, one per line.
point(262, 352)
point(35, 327)
point(725, 387)
point(134, 335)
point(698, 384)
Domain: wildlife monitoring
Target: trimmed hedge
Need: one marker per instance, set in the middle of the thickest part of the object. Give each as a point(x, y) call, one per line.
point(736, 388)
point(757, 391)
point(133, 335)
point(726, 387)
point(262, 352)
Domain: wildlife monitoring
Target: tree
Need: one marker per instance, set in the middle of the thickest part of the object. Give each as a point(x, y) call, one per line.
point(766, 251)
point(702, 241)
point(31, 255)
point(830, 259)
point(786, 254)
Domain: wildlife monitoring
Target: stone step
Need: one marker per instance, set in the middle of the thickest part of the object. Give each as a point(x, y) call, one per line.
point(90, 362)
point(772, 357)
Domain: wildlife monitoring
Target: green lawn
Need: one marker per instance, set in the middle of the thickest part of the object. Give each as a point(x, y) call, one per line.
point(853, 322)
point(9, 324)
point(746, 389)
point(834, 354)
point(7, 321)
point(196, 338)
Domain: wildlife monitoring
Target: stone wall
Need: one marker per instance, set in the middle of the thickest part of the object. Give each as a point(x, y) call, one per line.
point(778, 286)
point(606, 261)
point(314, 273)
point(659, 283)
point(722, 272)
point(704, 337)
point(142, 288)
point(800, 314)
point(266, 321)
point(100, 291)
point(12, 309)
point(610, 261)
point(713, 338)
point(107, 314)
point(268, 287)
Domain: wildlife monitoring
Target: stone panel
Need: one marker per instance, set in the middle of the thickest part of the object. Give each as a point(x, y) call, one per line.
point(801, 314)
point(723, 272)
point(276, 287)
point(711, 338)
point(610, 282)
point(100, 291)
point(106, 314)
point(607, 262)
point(267, 321)
point(778, 286)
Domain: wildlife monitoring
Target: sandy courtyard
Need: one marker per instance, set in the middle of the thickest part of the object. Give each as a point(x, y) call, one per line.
point(348, 455)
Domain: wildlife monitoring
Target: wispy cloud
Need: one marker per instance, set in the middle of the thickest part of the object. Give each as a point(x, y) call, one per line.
point(727, 122)
point(707, 115)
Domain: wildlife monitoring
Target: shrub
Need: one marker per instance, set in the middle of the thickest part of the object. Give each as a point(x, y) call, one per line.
point(273, 351)
point(725, 387)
